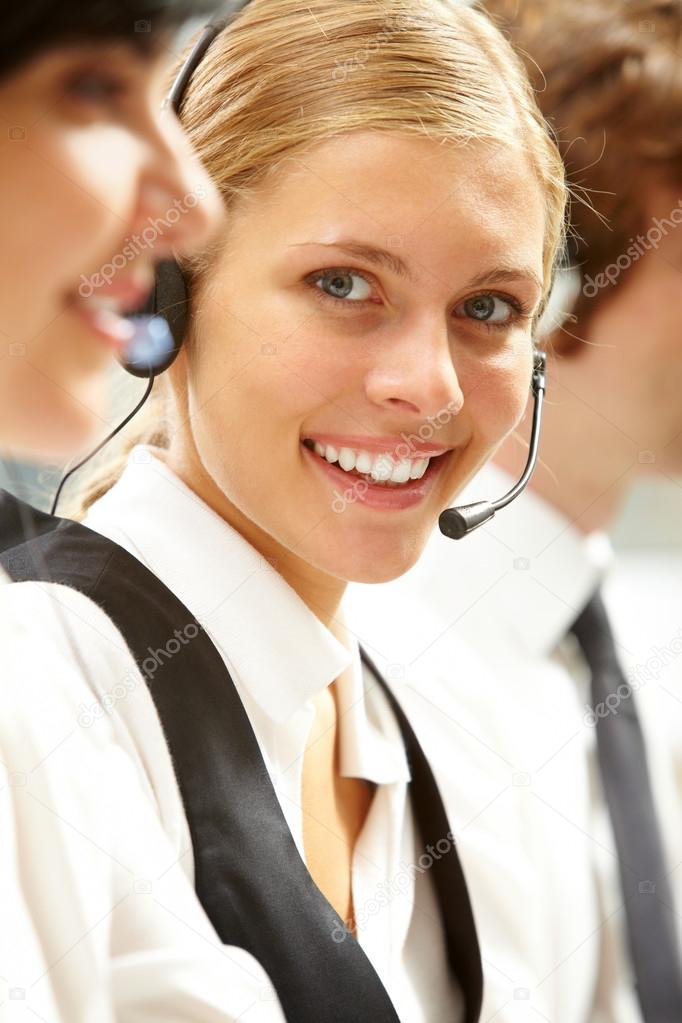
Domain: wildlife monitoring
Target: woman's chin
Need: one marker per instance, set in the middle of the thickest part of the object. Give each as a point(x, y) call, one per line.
point(31, 441)
point(374, 566)
point(374, 576)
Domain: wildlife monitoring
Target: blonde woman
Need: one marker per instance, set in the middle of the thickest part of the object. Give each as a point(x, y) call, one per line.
point(395, 206)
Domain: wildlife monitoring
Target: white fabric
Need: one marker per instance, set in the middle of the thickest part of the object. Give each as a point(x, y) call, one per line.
point(537, 843)
point(99, 921)
point(644, 595)
point(279, 656)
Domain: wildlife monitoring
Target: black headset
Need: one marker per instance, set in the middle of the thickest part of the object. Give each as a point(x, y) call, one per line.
point(168, 298)
point(168, 301)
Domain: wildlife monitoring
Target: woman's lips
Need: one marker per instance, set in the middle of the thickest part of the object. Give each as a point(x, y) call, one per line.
point(106, 326)
point(106, 309)
point(383, 445)
point(350, 488)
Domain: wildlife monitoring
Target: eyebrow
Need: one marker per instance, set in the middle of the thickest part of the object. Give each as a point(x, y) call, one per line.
point(502, 274)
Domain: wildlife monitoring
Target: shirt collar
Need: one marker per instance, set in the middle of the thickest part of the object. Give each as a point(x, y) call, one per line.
point(278, 649)
point(371, 743)
point(555, 567)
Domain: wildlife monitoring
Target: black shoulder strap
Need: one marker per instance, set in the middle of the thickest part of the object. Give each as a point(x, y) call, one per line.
point(453, 896)
point(249, 875)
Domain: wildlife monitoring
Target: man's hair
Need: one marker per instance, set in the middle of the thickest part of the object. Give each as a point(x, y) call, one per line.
point(31, 27)
point(608, 77)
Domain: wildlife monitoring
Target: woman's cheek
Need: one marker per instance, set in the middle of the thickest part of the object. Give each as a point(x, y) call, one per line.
point(494, 410)
point(509, 388)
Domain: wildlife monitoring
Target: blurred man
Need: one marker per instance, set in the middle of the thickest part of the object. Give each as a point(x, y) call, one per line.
point(579, 923)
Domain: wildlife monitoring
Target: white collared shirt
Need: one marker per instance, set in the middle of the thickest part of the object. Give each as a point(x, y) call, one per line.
point(552, 933)
point(279, 656)
point(99, 921)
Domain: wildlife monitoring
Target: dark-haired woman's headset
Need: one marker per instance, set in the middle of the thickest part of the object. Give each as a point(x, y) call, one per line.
point(168, 298)
point(169, 302)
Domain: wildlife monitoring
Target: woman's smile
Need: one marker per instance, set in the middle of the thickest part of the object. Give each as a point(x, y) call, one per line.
point(381, 481)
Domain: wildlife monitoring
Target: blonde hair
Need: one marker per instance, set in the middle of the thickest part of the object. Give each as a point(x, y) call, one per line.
point(285, 76)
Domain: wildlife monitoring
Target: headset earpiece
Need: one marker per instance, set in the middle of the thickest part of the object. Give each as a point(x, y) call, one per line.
point(562, 300)
point(162, 325)
point(166, 330)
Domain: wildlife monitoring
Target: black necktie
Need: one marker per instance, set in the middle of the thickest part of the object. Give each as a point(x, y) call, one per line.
point(649, 908)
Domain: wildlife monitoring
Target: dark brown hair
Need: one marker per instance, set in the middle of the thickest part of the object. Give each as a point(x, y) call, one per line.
point(32, 27)
point(608, 78)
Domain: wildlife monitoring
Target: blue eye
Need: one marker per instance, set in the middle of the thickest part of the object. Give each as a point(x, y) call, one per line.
point(487, 309)
point(493, 312)
point(490, 309)
point(340, 284)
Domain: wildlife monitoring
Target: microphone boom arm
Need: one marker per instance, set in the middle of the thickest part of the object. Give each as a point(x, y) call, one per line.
point(458, 522)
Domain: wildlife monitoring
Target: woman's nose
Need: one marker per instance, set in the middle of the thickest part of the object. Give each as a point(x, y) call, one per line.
point(177, 198)
point(417, 376)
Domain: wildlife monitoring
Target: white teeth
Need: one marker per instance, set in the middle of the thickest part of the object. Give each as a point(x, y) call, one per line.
point(102, 302)
point(114, 325)
point(401, 473)
point(363, 462)
point(347, 459)
point(380, 467)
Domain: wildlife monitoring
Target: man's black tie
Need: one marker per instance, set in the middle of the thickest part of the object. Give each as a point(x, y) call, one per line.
point(649, 907)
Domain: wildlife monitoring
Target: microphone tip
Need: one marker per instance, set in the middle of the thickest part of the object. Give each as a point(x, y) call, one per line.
point(452, 524)
point(458, 522)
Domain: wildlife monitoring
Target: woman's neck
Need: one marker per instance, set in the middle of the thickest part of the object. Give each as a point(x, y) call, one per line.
point(321, 592)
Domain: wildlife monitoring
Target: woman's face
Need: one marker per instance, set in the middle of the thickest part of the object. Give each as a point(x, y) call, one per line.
point(306, 354)
point(92, 182)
